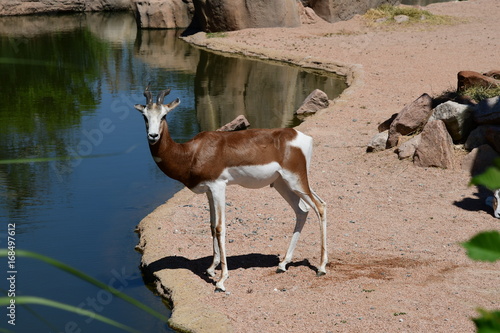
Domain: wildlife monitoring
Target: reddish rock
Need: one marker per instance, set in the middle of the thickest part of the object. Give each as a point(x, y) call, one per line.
point(229, 15)
point(316, 101)
point(436, 147)
point(411, 119)
point(468, 79)
point(238, 124)
point(387, 124)
point(407, 149)
point(479, 159)
point(494, 74)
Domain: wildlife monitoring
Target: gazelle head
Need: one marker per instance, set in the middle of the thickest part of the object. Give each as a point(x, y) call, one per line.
point(494, 202)
point(155, 113)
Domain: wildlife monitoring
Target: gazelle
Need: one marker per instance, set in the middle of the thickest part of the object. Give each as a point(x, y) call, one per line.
point(252, 158)
point(494, 202)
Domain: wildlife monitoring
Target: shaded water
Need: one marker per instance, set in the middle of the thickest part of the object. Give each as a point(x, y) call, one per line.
point(76, 175)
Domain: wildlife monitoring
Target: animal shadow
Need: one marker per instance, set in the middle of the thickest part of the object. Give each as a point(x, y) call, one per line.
point(475, 204)
point(199, 266)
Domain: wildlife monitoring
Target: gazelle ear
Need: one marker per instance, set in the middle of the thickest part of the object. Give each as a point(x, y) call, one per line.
point(139, 107)
point(173, 105)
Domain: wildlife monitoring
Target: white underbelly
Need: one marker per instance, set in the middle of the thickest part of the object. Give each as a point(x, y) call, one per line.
point(253, 176)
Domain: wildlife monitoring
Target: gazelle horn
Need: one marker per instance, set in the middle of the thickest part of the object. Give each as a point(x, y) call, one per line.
point(161, 96)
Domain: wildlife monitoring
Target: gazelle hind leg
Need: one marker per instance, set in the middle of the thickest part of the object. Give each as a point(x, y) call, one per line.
point(301, 216)
point(216, 251)
point(312, 200)
point(217, 197)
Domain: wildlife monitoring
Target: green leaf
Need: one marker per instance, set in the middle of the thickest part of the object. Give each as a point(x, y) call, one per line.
point(484, 246)
point(87, 278)
point(489, 322)
point(490, 178)
point(4, 301)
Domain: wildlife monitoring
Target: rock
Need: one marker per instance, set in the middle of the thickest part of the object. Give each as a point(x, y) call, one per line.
point(228, 15)
point(407, 149)
point(342, 10)
point(494, 74)
point(411, 119)
point(401, 18)
point(467, 79)
point(316, 101)
point(492, 136)
point(479, 159)
point(307, 15)
point(436, 146)
point(479, 136)
point(238, 124)
point(457, 118)
point(163, 14)
point(378, 142)
point(387, 124)
point(23, 7)
point(488, 111)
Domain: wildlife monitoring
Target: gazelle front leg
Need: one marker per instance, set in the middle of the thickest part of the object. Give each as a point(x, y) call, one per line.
point(217, 202)
point(213, 224)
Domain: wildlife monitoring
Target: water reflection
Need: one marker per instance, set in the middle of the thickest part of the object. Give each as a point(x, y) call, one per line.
point(228, 86)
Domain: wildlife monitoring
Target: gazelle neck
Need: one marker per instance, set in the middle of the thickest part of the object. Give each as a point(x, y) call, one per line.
point(171, 157)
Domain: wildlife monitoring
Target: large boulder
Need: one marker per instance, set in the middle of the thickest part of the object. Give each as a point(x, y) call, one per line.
point(457, 117)
point(436, 146)
point(228, 15)
point(488, 111)
point(23, 7)
point(411, 119)
point(163, 14)
point(342, 10)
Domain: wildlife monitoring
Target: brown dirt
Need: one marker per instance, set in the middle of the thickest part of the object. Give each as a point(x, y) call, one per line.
point(395, 264)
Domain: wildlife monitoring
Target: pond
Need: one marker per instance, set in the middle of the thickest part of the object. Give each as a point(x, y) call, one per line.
point(76, 175)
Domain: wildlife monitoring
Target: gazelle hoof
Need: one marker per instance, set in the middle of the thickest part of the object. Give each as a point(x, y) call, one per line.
point(280, 270)
point(320, 273)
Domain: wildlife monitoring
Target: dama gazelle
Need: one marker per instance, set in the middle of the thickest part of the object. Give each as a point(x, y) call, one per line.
point(494, 202)
point(252, 158)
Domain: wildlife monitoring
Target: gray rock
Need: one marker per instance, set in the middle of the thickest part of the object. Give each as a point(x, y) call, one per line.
point(401, 18)
point(407, 149)
point(378, 142)
point(163, 14)
point(488, 111)
point(435, 148)
point(457, 117)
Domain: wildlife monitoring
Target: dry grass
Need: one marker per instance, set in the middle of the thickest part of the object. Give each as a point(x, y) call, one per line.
point(385, 14)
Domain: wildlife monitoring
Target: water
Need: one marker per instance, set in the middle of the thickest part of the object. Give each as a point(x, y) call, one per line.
point(76, 175)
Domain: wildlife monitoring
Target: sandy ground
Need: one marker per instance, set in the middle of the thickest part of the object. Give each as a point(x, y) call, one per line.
point(394, 260)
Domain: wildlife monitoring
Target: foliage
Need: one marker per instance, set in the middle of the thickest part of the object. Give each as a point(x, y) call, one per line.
point(489, 322)
point(84, 277)
point(485, 246)
point(490, 178)
point(479, 93)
